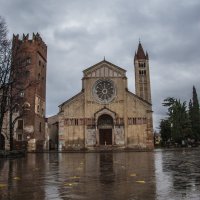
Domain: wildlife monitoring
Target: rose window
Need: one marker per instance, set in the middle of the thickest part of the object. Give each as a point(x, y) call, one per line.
point(104, 91)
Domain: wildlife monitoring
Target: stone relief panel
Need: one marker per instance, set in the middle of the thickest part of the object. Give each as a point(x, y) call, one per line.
point(119, 135)
point(91, 137)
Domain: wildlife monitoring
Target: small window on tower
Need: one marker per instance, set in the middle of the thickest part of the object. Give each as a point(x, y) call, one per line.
point(40, 127)
point(38, 76)
point(19, 137)
point(20, 124)
point(21, 94)
point(28, 61)
point(142, 65)
point(39, 62)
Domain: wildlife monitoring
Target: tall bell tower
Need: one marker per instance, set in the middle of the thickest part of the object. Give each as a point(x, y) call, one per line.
point(29, 69)
point(142, 75)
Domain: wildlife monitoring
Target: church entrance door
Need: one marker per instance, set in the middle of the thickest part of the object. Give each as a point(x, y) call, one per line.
point(105, 136)
point(105, 126)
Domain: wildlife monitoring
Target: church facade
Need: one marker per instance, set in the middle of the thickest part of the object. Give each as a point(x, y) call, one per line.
point(105, 113)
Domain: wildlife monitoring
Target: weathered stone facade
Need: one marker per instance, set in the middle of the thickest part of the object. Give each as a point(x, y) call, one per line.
point(105, 112)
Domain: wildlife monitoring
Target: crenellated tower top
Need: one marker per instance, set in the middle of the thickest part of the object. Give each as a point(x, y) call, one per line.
point(28, 43)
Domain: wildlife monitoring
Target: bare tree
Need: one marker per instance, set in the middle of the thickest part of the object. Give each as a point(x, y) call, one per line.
point(13, 83)
point(5, 66)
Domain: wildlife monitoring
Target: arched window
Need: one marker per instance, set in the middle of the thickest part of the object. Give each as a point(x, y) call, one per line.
point(40, 127)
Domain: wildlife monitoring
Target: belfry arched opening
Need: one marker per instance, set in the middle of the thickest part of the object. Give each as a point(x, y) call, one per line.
point(105, 126)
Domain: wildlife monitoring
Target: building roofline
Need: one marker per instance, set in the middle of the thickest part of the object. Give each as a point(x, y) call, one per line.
point(141, 99)
point(72, 98)
point(104, 61)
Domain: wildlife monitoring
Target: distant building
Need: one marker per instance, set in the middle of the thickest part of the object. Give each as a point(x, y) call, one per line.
point(52, 133)
point(105, 113)
point(157, 139)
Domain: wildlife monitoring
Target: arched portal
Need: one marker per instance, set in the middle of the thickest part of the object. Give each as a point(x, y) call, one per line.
point(2, 142)
point(105, 126)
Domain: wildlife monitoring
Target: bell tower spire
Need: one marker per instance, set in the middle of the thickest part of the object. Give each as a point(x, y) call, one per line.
point(142, 75)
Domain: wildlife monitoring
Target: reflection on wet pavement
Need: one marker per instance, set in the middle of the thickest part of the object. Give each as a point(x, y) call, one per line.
point(157, 175)
point(178, 174)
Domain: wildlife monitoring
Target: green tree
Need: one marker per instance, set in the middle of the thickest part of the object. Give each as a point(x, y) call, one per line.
point(12, 83)
point(194, 114)
point(178, 118)
point(165, 130)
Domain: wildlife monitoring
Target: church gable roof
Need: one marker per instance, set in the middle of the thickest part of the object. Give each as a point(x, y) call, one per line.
point(104, 69)
point(71, 99)
point(139, 98)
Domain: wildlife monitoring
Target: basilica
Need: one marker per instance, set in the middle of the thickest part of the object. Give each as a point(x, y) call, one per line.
point(105, 114)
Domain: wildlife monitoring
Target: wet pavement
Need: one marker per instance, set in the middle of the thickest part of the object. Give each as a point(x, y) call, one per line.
point(159, 175)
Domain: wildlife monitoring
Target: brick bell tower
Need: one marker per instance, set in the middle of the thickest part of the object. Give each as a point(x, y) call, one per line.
point(30, 64)
point(142, 75)
point(143, 88)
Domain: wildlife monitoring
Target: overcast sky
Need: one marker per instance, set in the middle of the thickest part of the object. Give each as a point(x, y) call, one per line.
point(79, 33)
